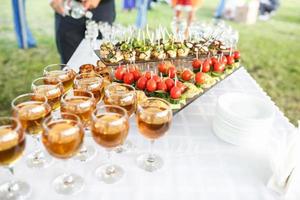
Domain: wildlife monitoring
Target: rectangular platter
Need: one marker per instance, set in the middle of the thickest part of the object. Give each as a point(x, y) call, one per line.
point(190, 57)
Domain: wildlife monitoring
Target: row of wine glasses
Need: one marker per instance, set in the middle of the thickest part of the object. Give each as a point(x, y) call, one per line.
point(81, 112)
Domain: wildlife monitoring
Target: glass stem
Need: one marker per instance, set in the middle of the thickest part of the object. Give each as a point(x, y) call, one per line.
point(11, 170)
point(151, 157)
point(36, 139)
point(110, 168)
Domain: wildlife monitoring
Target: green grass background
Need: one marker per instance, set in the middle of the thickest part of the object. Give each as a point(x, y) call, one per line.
point(270, 50)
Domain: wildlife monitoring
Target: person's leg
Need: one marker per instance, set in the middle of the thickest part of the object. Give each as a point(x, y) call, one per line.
point(141, 19)
point(24, 36)
point(220, 9)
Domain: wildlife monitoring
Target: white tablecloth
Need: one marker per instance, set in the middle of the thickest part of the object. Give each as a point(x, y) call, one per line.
point(198, 165)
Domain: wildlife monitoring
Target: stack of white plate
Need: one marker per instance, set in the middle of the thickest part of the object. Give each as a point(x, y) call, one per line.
point(242, 119)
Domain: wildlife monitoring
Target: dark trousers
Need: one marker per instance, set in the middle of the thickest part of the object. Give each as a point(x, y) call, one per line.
point(69, 31)
point(267, 8)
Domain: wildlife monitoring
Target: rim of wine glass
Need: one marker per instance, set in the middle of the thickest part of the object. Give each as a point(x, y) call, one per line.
point(108, 93)
point(99, 107)
point(18, 123)
point(89, 75)
point(48, 119)
point(168, 109)
point(14, 105)
point(71, 92)
point(57, 80)
point(64, 68)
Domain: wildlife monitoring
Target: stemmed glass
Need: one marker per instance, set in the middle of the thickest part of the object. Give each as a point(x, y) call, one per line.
point(109, 129)
point(90, 82)
point(62, 137)
point(52, 88)
point(122, 95)
point(31, 109)
point(81, 103)
point(12, 145)
point(154, 117)
point(63, 72)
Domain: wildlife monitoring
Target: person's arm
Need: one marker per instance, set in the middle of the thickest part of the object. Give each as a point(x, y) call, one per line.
point(90, 4)
point(57, 6)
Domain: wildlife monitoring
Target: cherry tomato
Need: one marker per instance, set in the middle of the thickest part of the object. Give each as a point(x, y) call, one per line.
point(162, 67)
point(156, 78)
point(224, 60)
point(128, 78)
point(162, 86)
point(175, 92)
point(187, 75)
point(200, 78)
point(119, 73)
point(172, 72)
point(170, 83)
point(181, 86)
point(148, 75)
point(151, 85)
point(136, 74)
point(196, 63)
point(236, 55)
point(141, 83)
point(213, 60)
point(219, 67)
point(230, 60)
point(206, 66)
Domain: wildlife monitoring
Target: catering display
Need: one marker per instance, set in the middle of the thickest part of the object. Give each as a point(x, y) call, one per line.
point(152, 75)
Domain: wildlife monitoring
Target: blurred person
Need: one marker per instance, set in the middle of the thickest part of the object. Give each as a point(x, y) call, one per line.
point(69, 31)
point(220, 9)
point(141, 19)
point(188, 6)
point(25, 38)
point(226, 9)
point(267, 8)
point(128, 5)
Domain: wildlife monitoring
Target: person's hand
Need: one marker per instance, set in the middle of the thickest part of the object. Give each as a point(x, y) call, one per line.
point(57, 6)
point(90, 4)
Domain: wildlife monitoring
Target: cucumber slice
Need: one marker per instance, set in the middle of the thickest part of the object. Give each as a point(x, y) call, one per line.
point(174, 101)
point(161, 94)
point(217, 74)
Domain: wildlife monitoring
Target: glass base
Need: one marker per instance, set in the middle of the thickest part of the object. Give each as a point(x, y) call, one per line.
point(149, 162)
point(86, 153)
point(128, 146)
point(14, 190)
point(38, 159)
point(109, 173)
point(68, 184)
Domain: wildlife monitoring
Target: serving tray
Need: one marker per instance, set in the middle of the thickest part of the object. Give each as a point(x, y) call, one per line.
point(190, 100)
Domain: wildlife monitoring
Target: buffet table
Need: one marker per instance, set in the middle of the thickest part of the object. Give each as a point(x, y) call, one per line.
point(198, 165)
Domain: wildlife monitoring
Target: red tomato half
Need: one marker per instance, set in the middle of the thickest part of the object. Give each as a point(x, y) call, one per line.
point(141, 83)
point(175, 92)
point(151, 85)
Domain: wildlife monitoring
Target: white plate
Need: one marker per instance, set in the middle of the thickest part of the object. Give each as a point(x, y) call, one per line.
point(239, 139)
point(243, 109)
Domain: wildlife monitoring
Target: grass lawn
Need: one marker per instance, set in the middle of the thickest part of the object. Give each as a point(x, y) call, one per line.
point(271, 50)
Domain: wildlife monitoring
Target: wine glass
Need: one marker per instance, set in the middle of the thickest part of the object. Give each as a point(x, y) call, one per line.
point(109, 129)
point(81, 103)
point(12, 145)
point(63, 72)
point(31, 109)
point(62, 137)
point(52, 88)
point(122, 95)
point(90, 82)
point(154, 117)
